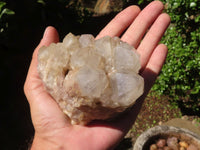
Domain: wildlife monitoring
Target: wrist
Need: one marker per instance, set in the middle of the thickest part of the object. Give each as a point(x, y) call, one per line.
point(41, 143)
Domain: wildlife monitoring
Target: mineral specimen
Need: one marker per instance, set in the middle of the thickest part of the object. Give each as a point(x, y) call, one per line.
point(91, 79)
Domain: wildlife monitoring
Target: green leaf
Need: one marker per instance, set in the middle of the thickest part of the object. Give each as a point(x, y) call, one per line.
point(197, 19)
point(1, 5)
point(8, 11)
point(41, 2)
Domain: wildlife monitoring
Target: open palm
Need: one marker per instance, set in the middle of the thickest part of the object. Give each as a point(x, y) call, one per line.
point(53, 129)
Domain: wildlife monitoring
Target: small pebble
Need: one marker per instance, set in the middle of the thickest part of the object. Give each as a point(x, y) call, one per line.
point(182, 148)
point(184, 117)
point(167, 148)
point(192, 147)
point(161, 143)
point(172, 142)
point(153, 147)
point(183, 144)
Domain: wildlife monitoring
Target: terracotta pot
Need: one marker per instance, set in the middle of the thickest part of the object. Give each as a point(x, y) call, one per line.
point(148, 137)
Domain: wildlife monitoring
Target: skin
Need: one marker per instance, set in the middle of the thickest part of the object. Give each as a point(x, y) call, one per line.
point(143, 29)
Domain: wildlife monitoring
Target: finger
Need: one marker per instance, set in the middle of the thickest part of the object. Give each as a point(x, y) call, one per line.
point(154, 66)
point(136, 31)
point(119, 127)
point(149, 74)
point(45, 112)
point(121, 21)
point(152, 38)
point(50, 35)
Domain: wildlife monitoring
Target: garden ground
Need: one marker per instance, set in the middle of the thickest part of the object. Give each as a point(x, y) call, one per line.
point(155, 111)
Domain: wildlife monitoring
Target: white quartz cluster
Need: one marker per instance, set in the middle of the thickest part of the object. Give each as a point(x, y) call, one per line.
point(91, 79)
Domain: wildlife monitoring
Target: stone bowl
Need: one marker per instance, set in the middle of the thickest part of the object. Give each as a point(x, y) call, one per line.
point(148, 137)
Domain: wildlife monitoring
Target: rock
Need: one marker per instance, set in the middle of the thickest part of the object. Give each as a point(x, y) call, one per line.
point(192, 147)
point(167, 148)
point(91, 79)
point(153, 147)
point(182, 148)
point(183, 144)
point(97, 7)
point(161, 143)
point(184, 117)
point(172, 142)
point(182, 123)
point(102, 7)
point(107, 6)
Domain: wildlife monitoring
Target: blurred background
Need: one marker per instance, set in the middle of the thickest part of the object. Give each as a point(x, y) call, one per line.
point(22, 23)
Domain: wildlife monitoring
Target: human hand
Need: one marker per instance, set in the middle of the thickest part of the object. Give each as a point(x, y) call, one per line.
point(53, 130)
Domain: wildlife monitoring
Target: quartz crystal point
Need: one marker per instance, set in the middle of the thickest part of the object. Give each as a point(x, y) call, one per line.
point(91, 79)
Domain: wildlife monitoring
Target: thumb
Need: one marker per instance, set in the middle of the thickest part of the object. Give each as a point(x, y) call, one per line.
point(44, 110)
point(50, 36)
